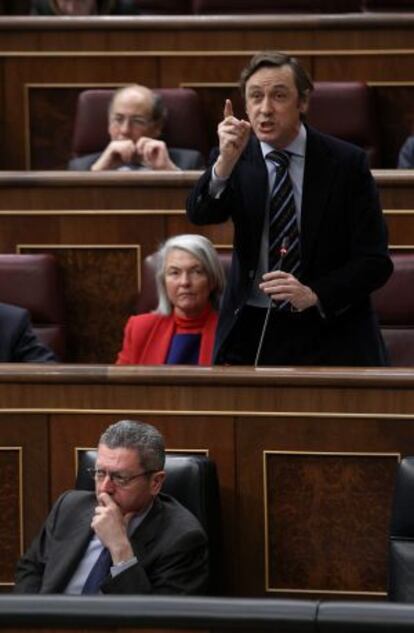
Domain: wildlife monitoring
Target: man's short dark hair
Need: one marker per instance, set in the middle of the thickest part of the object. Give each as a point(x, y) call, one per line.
point(139, 436)
point(270, 59)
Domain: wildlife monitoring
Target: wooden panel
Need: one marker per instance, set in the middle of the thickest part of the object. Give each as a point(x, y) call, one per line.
point(228, 33)
point(327, 514)
point(324, 511)
point(100, 291)
point(373, 66)
point(11, 503)
point(24, 469)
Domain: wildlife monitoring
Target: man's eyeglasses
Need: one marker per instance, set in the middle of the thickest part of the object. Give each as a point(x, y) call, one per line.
point(121, 481)
point(134, 121)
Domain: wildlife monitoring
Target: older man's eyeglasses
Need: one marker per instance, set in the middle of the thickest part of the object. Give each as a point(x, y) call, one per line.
point(134, 121)
point(99, 474)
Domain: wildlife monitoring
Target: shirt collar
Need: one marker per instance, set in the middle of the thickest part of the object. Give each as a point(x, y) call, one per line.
point(297, 147)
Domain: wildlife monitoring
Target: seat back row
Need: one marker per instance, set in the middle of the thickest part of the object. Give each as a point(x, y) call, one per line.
point(343, 109)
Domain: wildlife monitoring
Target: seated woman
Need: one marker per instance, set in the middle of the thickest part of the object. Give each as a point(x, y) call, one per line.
point(181, 330)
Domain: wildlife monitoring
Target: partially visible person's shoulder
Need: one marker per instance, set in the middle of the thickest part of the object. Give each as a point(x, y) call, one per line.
point(79, 498)
point(9, 311)
point(83, 163)
point(406, 154)
point(187, 159)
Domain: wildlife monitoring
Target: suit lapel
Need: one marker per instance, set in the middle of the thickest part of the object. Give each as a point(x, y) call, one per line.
point(320, 167)
point(144, 535)
point(68, 553)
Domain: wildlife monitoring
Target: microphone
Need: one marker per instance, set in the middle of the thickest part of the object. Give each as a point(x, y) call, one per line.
point(284, 247)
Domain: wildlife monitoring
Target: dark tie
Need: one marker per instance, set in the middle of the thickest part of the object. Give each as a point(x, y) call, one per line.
point(283, 224)
point(98, 572)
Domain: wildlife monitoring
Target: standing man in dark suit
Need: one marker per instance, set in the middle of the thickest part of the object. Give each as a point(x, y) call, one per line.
point(18, 342)
point(342, 250)
point(151, 544)
point(135, 120)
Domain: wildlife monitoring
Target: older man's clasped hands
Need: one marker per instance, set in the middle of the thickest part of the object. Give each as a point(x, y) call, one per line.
point(148, 152)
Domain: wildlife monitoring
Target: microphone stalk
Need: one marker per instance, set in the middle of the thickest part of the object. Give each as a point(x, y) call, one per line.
point(283, 251)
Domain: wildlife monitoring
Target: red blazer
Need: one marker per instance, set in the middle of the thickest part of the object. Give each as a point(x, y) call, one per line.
point(147, 339)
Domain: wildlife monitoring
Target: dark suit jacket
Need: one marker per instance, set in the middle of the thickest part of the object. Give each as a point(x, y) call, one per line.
point(170, 545)
point(184, 159)
point(18, 342)
point(406, 155)
point(343, 237)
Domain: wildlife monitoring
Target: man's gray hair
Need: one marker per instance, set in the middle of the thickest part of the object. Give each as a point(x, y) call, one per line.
point(142, 437)
point(202, 249)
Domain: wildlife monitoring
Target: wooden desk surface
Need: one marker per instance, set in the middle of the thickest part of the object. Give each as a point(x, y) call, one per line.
point(69, 190)
point(213, 33)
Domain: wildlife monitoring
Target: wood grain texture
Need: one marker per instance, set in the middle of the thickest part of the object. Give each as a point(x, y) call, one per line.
point(328, 518)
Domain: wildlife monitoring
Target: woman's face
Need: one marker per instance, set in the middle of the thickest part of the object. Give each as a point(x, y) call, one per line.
point(186, 282)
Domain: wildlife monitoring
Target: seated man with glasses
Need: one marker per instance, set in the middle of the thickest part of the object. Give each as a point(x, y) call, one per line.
point(127, 537)
point(136, 117)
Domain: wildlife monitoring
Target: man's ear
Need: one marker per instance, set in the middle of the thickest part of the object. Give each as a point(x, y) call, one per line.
point(304, 102)
point(157, 481)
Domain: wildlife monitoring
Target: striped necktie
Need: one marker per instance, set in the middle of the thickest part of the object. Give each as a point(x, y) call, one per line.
point(283, 224)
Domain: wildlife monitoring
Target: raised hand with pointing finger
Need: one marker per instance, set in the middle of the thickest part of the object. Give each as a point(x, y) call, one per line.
point(233, 136)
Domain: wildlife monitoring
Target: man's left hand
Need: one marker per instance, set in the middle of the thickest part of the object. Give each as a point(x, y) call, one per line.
point(153, 153)
point(282, 286)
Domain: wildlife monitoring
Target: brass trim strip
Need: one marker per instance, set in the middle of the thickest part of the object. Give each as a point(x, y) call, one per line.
point(216, 413)
point(27, 133)
point(138, 212)
point(330, 592)
point(334, 453)
point(369, 52)
point(77, 84)
point(97, 212)
point(234, 84)
point(136, 247)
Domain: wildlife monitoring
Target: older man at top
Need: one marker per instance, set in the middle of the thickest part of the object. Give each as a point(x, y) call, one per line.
point(136, 118)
